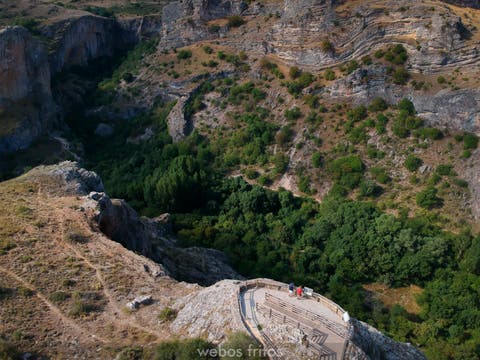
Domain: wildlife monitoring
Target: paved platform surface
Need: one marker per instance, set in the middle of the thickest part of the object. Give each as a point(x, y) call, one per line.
point(329, 327)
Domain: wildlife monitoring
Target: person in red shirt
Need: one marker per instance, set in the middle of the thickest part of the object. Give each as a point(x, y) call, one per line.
point(299, 292)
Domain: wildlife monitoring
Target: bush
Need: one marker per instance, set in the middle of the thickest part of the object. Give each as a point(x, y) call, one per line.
point(329, 75)
point(29, 24)
point(428, 198)
point(470, 141)
point(190, 349)
point(460, 183)
point(352, 66)
point(294, 72)
point(317, 160)
point(429, 133)
point(441, 80)
point(184, 54)
point(167, 314)
point(357, 114)
point(207, 49)
point(130, 353)
point(368, 188)
point(401, 76)
point(380, 175)
point(445, 170)
point(235, 21)
point(327, 46)
point(347, 170)
point(378, 104)
point(293, 113)
point(412, 163)
point(100, 11)
point(407, 106)
point(243, 344)
point(284, 136)
point(7, 351)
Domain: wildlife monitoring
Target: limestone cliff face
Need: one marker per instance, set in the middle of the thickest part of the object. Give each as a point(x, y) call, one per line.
point(184, 21)
point(26, 105)
point(378, 346)
point(433, 39)
point(78, 40)
point(455, 110)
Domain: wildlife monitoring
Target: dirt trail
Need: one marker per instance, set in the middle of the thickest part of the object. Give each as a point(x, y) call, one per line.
point(77, 329)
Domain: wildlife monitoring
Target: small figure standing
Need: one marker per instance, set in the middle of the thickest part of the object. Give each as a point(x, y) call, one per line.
point(299, 292)
point(291, 288)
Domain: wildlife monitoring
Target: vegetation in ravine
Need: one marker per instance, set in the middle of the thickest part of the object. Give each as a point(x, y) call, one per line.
point(336, 246)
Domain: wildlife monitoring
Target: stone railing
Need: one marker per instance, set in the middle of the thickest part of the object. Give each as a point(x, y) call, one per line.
point(277, 285)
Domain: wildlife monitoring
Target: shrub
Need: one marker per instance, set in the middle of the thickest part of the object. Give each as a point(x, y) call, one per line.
point(470, 141)
point(412, 163)
point(251, 174)
point(189, 349)
point(460, 183)
point(445, 170)
point(29, 24)
point(167, 314)
point(379, 53)
point(428, 199)
point(294, 72)
point(429, 133)
point(327, 46)
point(357, 114)
point(207, 49)
point(329, 75)
point(368, 188)
point(284, 135)
point(240, 342)
point(407, 106)
point(352, 66)
point(293, 113)
point(100, 11)
point(441, 80)
point(347, 170)
point(235, 21)
point(378, 104)
point(367, 60)
point(130, 353)
point(184, 54)
point(317, 160)
point(380, 175)
point(7, 351)
point(214, 28)
point(400, 76)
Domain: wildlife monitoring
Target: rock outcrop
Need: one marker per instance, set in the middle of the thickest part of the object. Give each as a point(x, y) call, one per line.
point(76, 41)
point(184, 21)
point(378, 346)
point(457, 110)
point(316, 34)
point(26, 105)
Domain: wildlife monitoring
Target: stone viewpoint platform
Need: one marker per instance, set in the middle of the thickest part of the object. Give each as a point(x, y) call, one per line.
point(311, 327)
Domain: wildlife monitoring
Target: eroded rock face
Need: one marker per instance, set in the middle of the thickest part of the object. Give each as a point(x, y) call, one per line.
point(378, 346)
point(213, 312)
point(26, 105)
point(315, 33)
point(81, 39)
point(183, 21)
point(452, 109)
